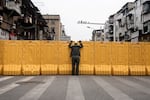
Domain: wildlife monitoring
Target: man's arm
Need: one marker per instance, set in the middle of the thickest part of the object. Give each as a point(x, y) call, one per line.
point(70, 44)
point(81, 45)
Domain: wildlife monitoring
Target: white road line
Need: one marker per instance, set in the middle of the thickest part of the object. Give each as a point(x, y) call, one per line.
point(143, 79)
point(115, 93)
point(13, 85)
point(36, 92)
point(74, 91)
point(134, 85)
point(5, 78)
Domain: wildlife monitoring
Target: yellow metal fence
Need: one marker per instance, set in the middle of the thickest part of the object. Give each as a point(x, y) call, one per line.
point(53, 57)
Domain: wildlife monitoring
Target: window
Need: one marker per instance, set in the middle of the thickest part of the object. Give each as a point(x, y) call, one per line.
point(146, 27)
point(146, 7)
point(53, 30)
point(131, 18)
point(53, 22)
point(119, 22)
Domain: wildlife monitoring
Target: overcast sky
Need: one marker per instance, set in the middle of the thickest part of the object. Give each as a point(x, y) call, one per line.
point(71, 11)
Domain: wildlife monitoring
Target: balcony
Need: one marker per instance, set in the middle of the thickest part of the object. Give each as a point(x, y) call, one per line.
point(146, 7)
point(130, 26)
point(12, 5)
point(111, 21)
point(144, 1)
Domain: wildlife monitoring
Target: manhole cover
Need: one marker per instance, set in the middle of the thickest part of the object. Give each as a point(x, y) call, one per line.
point(31, 82)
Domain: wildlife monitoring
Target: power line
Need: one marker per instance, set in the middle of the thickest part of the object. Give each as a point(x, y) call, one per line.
point(85, 22)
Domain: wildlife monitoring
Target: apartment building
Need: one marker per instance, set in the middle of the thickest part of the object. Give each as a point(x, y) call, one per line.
point(130, 23)
point(20, 19)
point(109, 29)
point(145, 21)
point(98, 35)
point(9, 9)
point(64, 36)
point(56, 30)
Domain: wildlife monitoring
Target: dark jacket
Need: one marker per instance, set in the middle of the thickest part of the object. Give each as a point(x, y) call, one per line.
point(75, 49)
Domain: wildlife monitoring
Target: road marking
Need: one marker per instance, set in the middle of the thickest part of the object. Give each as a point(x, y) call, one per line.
point(74, 91)
point(134, 85)
point(36, 92)
point(115, 93)
point(5, 78)
point(143, 79)
point(13, 85)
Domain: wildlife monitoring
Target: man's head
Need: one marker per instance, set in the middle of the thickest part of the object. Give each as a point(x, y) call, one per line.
point(75, 43)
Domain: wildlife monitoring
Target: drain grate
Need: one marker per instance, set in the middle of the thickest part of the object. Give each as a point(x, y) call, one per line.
point(30, 82)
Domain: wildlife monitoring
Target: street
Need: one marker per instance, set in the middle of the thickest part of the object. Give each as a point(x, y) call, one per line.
point(74, 88)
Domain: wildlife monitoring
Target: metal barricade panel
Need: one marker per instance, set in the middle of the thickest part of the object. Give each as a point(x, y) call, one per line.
point(85, 69)
point(137, 70)
point(31, 53)
point(31, 69)
point(119, 54)
point(136, 56)
point(65, 69)
point(49, 69)
point(146, 52)
point(12, 53)
point(102, 54)
point(103, 70)
point(120, 70)
point(87, 53)
point(49, 52)
point(64, 53)
point(1, 52)
point(12, 70)
point(1, 69)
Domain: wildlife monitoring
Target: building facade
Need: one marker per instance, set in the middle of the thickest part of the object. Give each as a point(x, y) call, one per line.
point(21, 19)
point(55, 30)
point(130, 23)
point(54, 26)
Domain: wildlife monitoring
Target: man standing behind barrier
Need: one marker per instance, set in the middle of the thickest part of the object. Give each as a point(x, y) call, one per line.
point(75, 54)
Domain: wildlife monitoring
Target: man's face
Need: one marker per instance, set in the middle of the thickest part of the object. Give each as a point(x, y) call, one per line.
point(76, 44)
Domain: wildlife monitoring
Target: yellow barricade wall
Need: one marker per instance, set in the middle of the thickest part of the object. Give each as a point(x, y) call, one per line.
point(63, 53)
point(102, 53)
point(12, 53)
point(1, 51)
point(12, 57)
point(1, 55)
point(103, 70)
point(31, 57)
point(146, 53)
point(53, 57)
point(87, 59)
point(64, 58)
point(1, 69)
point(49, 57)
point(119, 58)
point(136, 59)
point(102, 58)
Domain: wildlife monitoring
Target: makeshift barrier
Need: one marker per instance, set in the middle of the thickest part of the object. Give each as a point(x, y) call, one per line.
point(49, 69)
point(119, 58)
point(86, 69)
point(136, 59)
point(53, 57)
point(31, 69)
point(12, 70)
